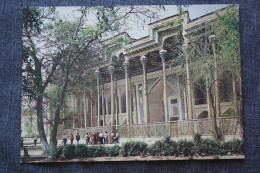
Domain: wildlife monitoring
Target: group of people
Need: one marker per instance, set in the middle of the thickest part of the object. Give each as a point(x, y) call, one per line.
point(95, 138)
point(71, 139)
point(102, 138)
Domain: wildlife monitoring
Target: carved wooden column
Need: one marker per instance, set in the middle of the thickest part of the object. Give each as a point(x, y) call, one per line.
point(135, 106)
point(98, 99)
point(126, 66)
point(190, 106)
point(131, 100)
point(163, 54)
point(85, 111)
point(91, 109)
point(143, 60)
point(103, 105)
point(116, 101)
point(209, 101)
point(111, 71)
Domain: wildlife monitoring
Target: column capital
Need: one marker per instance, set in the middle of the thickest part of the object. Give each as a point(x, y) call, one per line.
point(111, 70)
point(212, 38)
point(126, 65)
point(97, 73)
point(143, 60)
point(163, 54)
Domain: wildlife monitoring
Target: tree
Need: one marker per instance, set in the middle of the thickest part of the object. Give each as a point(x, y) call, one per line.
point(216, 47)
point(33, 81)
point(61, 43)
point(228, 34)
point(211, 47)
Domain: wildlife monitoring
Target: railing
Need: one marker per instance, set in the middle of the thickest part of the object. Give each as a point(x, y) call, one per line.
point(228, 126)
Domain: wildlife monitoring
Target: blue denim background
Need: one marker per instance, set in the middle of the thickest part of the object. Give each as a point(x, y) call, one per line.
point(10, 94)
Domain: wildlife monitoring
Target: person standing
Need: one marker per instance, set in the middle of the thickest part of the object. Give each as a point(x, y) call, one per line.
point(35, 140)
point(91, 138)
point(87, 138)
point(77, 138)
point(64, 139)
point(109, 137)
point(97, 138)
point(112, 137)
point(71, 138)
point(117, 136)
point(105, 137)
point(101, 137)
point(94, 138)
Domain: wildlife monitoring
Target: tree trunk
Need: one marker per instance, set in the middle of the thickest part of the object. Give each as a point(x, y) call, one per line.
point(40, 124)
point(213, 104)
point(61, 96)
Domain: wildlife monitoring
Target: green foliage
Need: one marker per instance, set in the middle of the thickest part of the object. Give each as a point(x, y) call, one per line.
point(113, 151)
point(96, 151)
point(185, 148)
point(123, 41)
point(56, 153)
point(29, 132)
point(228, 38)
point(208, 147)
point(32, 19)
point(81, 150)
point(165, 147)
point(69, 151)
point(235, 146)
point(133, 148)
point(197, 138)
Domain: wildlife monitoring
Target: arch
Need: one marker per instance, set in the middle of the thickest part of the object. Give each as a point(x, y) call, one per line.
point(160, 79)
point(203, 114)
point(125, 122)
point(155, 83)
point(156, 100)
point(228, 113)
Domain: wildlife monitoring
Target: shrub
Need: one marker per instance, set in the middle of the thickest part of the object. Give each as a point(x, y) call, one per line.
point(113, 151)
point(185, 148)
point(56, 153)
point(81, 150)
point(133, 148)
point(197, 138)
point(165, 147)
point(235, 146)
point(69, 151)
point(156, 148)
point(96, 151)
point(224, 148)
point(209, 147)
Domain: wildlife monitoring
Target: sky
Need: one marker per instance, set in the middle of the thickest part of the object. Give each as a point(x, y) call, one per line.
point(136, 30)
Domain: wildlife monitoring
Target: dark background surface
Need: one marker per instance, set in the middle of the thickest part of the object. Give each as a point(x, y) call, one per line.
point(10, 93)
